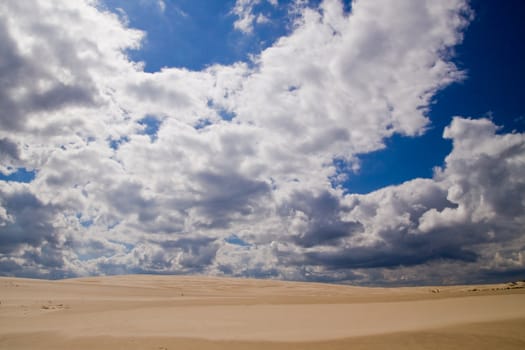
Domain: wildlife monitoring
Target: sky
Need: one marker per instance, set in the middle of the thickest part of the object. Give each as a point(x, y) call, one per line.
point(360, 142)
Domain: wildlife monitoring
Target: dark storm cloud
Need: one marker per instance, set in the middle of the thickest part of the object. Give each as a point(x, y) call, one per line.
point(9, 149)
point(225, 195)
point(198, 252)
point(30, 221)
point(29, 243)
point(325, 227)
point(127, 197)
point(498, 275)
point(411, 251)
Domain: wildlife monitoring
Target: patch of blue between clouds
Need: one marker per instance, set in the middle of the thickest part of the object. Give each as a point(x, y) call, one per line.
point(403, 159)
point(20, 175)
point(113, 225)
point(223, 113)
point(151, 126)
point(235, 240)
point(84, 222)
point(115, 144)
point(202, 123)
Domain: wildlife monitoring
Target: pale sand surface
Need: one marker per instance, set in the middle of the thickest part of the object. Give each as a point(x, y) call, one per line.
point(166, 312)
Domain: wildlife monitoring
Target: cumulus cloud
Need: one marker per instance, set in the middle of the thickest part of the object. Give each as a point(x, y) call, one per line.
point(152, 172)
point(471, 213)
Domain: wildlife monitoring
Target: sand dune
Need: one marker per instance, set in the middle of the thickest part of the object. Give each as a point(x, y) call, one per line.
point(165, 312)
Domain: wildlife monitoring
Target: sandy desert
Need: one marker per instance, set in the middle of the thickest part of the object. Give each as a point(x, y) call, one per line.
point(174, 312)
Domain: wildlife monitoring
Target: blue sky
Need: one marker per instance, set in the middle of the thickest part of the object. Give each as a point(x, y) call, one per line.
point(193, 35)
point(320, 140)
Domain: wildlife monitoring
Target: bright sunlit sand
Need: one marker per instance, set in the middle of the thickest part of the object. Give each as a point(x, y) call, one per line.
point(165, 312)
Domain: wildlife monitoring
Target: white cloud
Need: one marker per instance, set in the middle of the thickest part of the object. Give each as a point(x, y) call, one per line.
point(110, 198)
point(246, 17)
